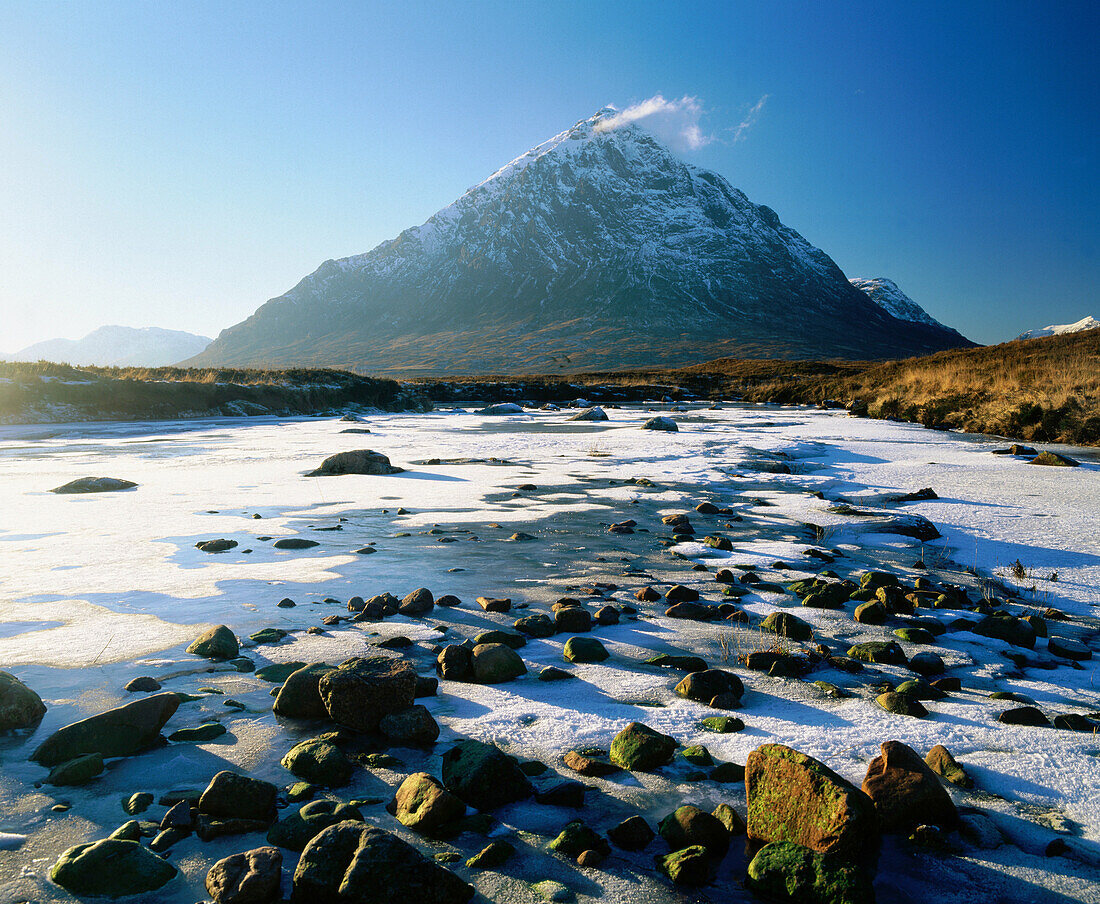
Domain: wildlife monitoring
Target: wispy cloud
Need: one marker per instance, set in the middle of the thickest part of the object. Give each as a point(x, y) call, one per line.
point(749, 119)
point(676, 122)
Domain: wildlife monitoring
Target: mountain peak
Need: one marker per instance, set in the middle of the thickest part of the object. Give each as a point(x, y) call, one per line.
point(1059, 329)
point(886, 294)
point(597, 247)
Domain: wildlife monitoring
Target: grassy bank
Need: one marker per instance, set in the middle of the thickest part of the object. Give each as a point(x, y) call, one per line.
point(46, 392)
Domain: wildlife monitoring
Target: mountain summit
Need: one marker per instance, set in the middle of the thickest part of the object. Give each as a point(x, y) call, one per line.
point(599, 248)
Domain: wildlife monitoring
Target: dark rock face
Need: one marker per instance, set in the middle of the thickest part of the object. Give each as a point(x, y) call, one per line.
point(443, 298)
point(20, 707)
point(94, 485)
point(705, 686)
point(122, 731)
point(361, 691)
point(349, 863)
point(295, 831)
point(300, 695)
point(793, 797)
point(483, 776)
point(359, 461)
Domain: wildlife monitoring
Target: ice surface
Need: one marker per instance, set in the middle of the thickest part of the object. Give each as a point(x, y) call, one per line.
point(97, 589)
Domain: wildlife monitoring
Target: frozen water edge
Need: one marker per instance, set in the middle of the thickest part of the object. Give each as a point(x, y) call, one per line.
point(122, 576)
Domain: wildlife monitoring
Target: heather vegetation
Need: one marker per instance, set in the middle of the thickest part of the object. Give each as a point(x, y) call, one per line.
point(44, 391)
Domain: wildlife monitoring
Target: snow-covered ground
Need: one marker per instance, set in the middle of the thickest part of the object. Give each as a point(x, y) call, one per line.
point(97, 589)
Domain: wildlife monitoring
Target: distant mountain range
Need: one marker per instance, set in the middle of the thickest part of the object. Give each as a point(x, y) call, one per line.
point(1058, 329)
point(598, 248)
point(117, 346)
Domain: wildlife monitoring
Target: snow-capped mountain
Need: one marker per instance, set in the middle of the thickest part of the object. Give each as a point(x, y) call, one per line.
point(597, 248)
point(1057, 329)
point(886, 294)
point(118, 346)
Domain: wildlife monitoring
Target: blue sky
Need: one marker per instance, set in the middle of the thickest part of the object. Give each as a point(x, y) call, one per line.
point(178, 164)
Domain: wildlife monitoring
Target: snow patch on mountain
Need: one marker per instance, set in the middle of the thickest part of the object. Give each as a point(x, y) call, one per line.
point(886, 294)
point(118, 346)
point(1059, 329)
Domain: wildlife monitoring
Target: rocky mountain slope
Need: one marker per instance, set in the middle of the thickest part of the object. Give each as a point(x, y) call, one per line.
point(118, 346)
point(886, 294)
point(597, 248)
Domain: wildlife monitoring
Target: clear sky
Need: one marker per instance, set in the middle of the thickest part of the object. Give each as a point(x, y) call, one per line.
point(177, 164)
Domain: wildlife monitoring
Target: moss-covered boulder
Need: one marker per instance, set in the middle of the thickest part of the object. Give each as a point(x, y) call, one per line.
point(297, 829)
point(640, 748)
point(1015, 631)
point(424, 805)
point(78, 771)
point(230, 795)
point(786, 625)
point(584, 649)
point(705, 686)
point(940, 761)
point(793, 797)
point(495, 663)
point(217, 643)
point(688, 825)
point(576, 837)
point(783, 871)
point(484, 776)
point(20, 707)
point(690, 866)
point(111, 868)
point(356, 863)
point(300, 695)
point(901, 705)
point(886, 652)
point(319, 761)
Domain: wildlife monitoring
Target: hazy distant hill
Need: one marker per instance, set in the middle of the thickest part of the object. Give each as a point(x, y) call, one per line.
point(597, 248)
point(118, 346)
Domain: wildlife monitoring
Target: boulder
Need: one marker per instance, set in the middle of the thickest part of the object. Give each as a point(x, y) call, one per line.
point(295, 831)
point(1054, 459)
point(539, 625)
point(111, 868)
point(360, 461)
point(251, 877)
point(793, 797)
point(888, 652)
point(424, 805)
point(641, 748)
point(786, 625)
point(78, 771)
point(455, 663)
point(414, 725)
point(688, 825)
point(419, 602)
point(233, 796)
point(1066, 648)
point(495, 663)
point(1012, 630)
point(218, 545)
point(122, 731)
point(906, 792)
point(584, 649)
point(494, 603)
point(350, 863)
point(94, 485)
point(20, 707)
point(295, 543)
point(576, 837)
point(941, 762)
point(691, 866)
point(300, 695)
point(572, 620)
point(703, 687)
point(501, 408)
point(1024, 715)
point(901, 704)
point(783, 871)
point(595, 413)
point(632, 834)
point(483, 776)
point(217, 643)
point(360, 692)
point(661, 423)
point(320, 762)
